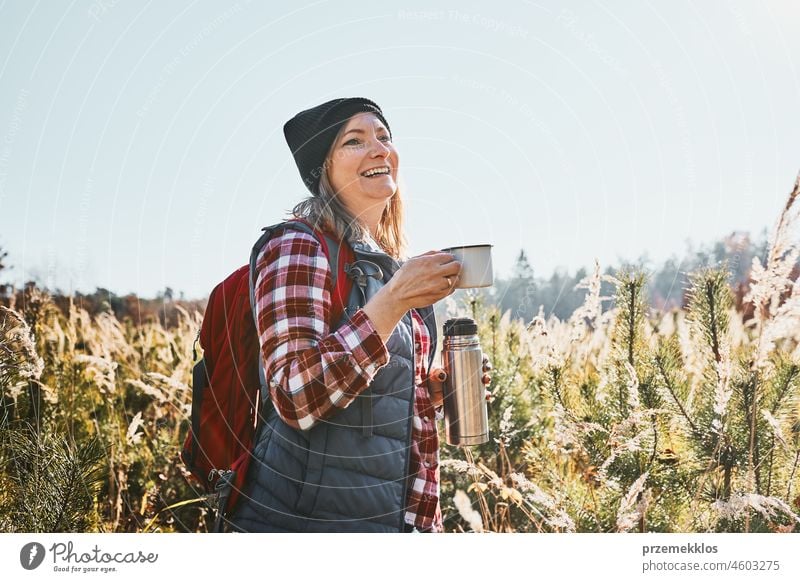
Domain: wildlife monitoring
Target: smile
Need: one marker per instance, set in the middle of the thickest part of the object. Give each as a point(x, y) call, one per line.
point(376, 172)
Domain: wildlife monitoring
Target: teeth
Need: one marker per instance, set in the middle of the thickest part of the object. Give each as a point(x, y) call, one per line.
point(375, 171)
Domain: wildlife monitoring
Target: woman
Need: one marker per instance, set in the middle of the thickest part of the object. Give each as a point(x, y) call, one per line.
point(350, 443)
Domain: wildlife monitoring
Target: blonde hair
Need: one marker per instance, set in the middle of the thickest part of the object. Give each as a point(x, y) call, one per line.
point(326, 210)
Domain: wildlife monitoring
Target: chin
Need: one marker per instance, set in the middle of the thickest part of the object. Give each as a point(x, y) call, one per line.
point(384, 191)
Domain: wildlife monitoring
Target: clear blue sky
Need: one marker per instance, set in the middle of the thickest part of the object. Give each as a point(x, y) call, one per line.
point(141, 143)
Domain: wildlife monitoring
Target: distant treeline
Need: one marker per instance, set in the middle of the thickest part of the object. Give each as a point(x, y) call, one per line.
point(522, 293)
point(127, 308)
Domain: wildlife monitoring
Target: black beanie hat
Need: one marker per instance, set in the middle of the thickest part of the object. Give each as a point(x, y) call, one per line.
point(310, 133)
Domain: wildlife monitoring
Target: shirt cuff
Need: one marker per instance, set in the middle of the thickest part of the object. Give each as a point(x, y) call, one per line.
point(362, 339)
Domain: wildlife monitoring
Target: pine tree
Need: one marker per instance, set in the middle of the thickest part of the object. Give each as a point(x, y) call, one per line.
point(3, 255)
point(719, 446)
point(49, 485)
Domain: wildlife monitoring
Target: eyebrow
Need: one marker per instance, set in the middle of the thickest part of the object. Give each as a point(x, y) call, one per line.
point(380, 128)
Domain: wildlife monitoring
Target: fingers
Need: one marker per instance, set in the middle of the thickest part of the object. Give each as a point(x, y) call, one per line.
point(487, 378)
point(438, 374)
point(435, 272)
point(446, 260)
point(450, 259)
point(423, 279)
point(452, 267)
point(441, 256)
point(436, 378)
point(451, 273)
point(435, 389)
point(450, 281)
point(487, 367)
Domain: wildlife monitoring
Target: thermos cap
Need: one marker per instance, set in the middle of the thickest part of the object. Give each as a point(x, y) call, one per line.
point(460, 326)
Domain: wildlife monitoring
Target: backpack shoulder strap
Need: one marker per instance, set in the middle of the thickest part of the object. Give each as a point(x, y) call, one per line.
point(339, 254)
point(266, 235)
point(334, 252)
point(339, 257)
point(341, 283)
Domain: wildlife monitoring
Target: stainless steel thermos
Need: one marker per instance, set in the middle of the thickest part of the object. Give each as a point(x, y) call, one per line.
point(465, 413)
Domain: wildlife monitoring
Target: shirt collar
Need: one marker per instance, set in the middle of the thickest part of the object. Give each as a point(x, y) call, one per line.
point(371, 243)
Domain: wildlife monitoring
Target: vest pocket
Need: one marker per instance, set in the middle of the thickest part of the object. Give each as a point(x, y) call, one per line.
point(309, 488)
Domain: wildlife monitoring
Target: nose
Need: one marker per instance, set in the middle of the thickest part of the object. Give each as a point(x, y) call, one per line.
point(380, 149)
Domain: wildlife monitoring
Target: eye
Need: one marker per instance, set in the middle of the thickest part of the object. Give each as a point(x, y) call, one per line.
point(355, 141)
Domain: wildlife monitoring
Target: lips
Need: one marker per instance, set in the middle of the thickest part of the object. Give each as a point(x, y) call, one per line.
point(376, 171)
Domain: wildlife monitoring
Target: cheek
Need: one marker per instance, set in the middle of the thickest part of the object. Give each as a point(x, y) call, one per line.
point(343, 174)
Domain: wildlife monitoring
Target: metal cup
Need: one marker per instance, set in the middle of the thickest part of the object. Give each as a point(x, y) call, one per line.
point(476, 265)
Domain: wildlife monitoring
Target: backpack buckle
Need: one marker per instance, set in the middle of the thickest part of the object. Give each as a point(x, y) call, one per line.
point(356, 272)
point(194, 347)
point(222, 491)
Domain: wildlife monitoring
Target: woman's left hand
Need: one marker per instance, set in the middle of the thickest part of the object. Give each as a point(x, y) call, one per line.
point(438, 376)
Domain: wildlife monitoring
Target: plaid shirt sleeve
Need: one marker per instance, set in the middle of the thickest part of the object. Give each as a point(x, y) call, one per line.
point(311, 370)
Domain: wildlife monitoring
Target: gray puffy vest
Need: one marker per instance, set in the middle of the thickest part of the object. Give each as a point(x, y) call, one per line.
point(350, 472)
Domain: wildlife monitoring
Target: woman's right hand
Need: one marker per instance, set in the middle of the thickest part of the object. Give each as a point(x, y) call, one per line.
point(424, 280)
point(418, 283)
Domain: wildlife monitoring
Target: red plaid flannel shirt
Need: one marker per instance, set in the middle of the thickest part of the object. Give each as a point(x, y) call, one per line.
point(313, 371)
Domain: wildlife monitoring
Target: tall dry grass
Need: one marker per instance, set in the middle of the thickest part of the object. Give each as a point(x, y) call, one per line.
point(95, 381)
point(618, 419)
point(627, 419)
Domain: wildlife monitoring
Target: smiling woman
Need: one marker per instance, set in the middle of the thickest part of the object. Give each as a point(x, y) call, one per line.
point(363, 170)
point(338, 181)
point(348, 440)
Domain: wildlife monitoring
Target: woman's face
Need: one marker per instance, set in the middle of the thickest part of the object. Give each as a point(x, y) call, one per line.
point(362, 145)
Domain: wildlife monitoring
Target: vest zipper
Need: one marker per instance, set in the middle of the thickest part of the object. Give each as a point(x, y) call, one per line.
point(410, 429)
point(366, 399)
point(410, 424)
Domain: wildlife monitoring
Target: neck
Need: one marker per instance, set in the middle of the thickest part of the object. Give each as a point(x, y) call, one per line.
point(370, 217)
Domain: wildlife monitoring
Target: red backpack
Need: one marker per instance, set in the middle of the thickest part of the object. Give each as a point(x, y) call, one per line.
point(226, 382)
